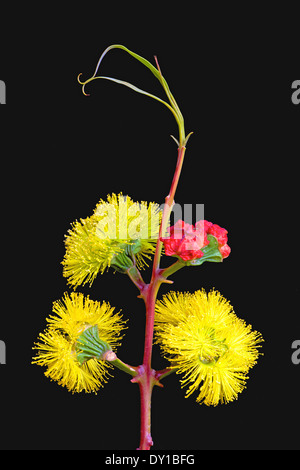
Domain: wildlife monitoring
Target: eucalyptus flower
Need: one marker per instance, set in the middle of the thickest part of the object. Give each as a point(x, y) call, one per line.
point(59, 348)
point(119, 234)
point(207, 343)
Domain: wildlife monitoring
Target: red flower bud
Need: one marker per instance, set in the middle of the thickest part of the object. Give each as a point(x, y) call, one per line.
point(186, 241)
point(225, 250)
point(218, 232)
point(221, 235)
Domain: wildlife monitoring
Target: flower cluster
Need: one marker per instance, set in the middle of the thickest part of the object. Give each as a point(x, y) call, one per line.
point(59, 346)
point(187, 241)
point(120, 233)
point(206, 342)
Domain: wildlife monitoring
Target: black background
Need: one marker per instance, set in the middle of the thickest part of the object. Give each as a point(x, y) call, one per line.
point(62, 152)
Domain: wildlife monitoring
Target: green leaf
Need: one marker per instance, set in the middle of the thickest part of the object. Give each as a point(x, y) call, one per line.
point(89, 345)
point(156, 72)
point(134, 88)
point(173, 107)
point(133, 54)
point(210, 253)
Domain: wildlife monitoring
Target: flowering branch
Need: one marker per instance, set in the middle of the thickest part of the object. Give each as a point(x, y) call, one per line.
point(198, 333)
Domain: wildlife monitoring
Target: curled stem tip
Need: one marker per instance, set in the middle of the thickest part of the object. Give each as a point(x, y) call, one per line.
point(83, 85)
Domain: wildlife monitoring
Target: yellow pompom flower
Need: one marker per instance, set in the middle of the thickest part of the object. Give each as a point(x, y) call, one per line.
point(119, 233)
point(76, 312)
point(58, 347)
point(206, 342)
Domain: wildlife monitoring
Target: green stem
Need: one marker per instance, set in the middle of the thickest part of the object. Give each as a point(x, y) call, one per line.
point(172, 269)
point(161, 374)
point(111, 357)
point(125, 367)
point(135, 276)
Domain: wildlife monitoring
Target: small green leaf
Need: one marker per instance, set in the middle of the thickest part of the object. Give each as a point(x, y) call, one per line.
point(210, 253)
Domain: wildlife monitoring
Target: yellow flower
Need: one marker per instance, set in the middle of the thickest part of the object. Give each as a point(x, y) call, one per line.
point(206, 342)
point(77, 312)
point(58, 346)
point(119, 233)
point(86, 255)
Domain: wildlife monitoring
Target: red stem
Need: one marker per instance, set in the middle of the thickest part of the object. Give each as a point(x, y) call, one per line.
point(146, 383)
point(167, 210)
point(147, 377)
